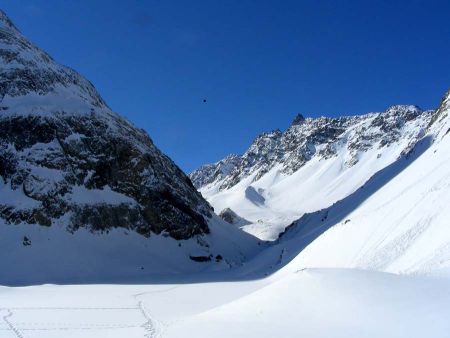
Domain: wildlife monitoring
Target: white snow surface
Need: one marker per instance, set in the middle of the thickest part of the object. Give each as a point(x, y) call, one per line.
point(307, 303)
point(397, 222)
point(274, 200)
point(367, 255)
point(374, 264)
point(117, 256)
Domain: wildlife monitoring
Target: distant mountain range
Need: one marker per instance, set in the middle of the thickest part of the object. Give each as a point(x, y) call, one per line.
point(367, 192)
point(311, 165)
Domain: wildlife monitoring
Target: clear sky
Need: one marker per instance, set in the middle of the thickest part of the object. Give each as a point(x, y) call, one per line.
point(257, 63)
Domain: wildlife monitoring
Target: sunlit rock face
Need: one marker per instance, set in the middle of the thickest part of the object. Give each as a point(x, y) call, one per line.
point(321, 138)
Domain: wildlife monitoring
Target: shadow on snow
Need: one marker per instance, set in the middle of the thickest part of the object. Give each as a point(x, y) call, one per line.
point(297, 236)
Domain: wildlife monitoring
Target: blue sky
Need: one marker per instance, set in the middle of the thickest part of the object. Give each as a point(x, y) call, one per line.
point(257, 63)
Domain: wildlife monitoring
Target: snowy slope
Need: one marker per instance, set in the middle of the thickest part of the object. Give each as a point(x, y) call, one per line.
point(328, 303)
point(313, 164)
point(118, 256)
point(311, 303)
point(397, 222)
point(85, 195)
point(366, 193)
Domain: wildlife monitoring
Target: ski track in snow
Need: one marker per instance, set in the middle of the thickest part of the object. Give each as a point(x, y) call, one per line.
point(380, 173)
point(152, 327)
point(59, 326)
point(16, 332)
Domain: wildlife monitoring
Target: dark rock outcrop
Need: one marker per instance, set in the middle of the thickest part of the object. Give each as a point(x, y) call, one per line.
point(66, 158)
point(231, 217)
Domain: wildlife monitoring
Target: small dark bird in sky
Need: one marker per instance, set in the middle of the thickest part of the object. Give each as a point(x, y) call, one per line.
point(204, 100)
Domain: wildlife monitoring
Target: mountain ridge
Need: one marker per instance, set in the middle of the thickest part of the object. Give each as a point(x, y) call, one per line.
point(60, 138)
point(200, 178)
point(281, 167)
point(84, 194)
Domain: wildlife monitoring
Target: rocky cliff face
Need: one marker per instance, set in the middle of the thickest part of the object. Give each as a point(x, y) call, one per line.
point(67, 159)
point(320, 138)
point(217, 171)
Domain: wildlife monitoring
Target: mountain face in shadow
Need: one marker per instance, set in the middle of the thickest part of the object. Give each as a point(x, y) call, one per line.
point(67, 159)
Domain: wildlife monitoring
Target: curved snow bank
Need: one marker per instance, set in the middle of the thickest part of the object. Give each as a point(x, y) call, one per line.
point(326, 303)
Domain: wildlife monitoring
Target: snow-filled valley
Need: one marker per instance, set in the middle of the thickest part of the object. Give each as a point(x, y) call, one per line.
point(310, 166)
point(309, 303)
point(375, 263)
point(335, 227)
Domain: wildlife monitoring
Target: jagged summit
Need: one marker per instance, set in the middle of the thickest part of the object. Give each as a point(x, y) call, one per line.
point(299, 119)
point(217, 171)
point(321, 137)
point(316, 163)
point(5, 22)
point(404, 108)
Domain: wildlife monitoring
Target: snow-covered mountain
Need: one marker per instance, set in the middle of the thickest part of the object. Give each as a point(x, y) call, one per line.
point(311, 165)
point(384, 211)
point(396, 222)
point(85, 198)
point(63, 151)
point(316, 280)
point(68, 162)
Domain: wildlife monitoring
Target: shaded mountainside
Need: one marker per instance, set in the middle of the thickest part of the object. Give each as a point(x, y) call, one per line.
point(66, 158)
point(87, 197)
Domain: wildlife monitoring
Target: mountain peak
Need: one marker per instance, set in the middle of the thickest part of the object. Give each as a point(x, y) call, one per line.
point(48, 111)
point(403, 108)
point(5, 21)
point(27, 70)
point(299, 118)
point(323, 138)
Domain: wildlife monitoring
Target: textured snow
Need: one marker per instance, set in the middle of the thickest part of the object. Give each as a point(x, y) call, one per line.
point(63, 147)
point(400, 226)
point(64, 99)
point(366, 252)
point(328, 275)
point(320, 181)
point(308, 303)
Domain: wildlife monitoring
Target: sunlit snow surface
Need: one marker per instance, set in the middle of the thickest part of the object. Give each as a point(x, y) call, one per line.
point(273, 190)
point(307, 303)
point(329, 275)
point(330, 280)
